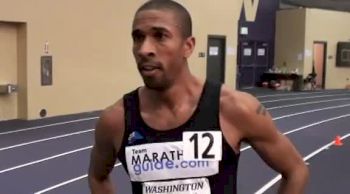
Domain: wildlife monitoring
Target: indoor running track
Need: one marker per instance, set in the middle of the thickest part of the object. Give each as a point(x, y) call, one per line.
point(52, 155)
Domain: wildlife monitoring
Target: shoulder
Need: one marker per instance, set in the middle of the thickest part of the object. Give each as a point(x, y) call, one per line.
point(237, 102)
point(111, 121)
point(244, 112)
point(112, 118)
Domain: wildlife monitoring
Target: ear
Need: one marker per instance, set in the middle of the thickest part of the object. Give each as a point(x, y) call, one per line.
point(189, 46)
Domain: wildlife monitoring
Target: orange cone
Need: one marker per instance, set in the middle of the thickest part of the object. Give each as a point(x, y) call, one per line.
point(337, 141)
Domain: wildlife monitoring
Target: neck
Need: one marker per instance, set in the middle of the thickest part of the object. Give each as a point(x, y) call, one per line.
point(185, 89)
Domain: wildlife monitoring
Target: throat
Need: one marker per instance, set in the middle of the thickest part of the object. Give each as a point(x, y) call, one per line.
point(166, 119)
point(172, 108)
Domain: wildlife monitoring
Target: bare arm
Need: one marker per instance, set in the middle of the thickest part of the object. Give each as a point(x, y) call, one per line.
point(257, 128)
point(108, 138)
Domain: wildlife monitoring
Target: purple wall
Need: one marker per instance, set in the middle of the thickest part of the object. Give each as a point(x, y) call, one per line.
point(263, 29)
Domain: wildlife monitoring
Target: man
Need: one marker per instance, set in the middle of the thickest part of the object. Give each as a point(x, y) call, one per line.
point(180, 134)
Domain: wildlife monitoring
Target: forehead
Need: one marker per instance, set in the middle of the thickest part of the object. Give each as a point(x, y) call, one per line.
point(148, 19)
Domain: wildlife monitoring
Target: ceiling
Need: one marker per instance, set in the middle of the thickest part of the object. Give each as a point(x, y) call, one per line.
point(339, 5)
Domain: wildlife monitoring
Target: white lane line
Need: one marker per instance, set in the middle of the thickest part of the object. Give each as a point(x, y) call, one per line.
point(49, 125)
point(66, 182)
point(243, 149)
point(311, 111)
point(278, 177)
point(89, 130)
point(46, 139)
point(61, 184)
point(290, 94)
point(44, 159)
point(306, 126)
point(317, 123)
point(324, 148)
point(92, 118)
point(301, 98)
point(306, 103)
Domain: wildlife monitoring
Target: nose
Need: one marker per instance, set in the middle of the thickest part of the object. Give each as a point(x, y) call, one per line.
point(146, 48)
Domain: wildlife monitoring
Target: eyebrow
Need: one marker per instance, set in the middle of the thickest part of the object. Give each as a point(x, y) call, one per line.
point(160, 29)
point(155, 29)
point(136, 32)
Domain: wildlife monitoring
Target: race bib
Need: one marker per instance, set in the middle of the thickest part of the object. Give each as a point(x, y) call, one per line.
point(161, 161)
point(202, 145)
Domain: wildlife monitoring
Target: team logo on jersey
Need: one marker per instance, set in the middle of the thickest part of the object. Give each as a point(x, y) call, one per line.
point(161, 161)
point(134, 136)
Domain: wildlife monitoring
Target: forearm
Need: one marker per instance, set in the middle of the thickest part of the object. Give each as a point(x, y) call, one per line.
point(101, 186)
point(294, 183)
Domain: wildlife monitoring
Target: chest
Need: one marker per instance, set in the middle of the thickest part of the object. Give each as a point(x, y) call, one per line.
point(163, 119)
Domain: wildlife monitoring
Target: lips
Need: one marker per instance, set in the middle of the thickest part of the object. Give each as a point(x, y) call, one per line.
point(148, 69)
point(148, 66)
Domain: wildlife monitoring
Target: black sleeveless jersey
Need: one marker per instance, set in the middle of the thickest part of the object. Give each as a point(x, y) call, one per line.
point(154, 159)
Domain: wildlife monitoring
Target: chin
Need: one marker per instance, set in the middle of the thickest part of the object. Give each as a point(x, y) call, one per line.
point(159, 87)
point(155, 84)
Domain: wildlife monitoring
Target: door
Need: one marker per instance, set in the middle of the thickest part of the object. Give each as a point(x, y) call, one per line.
point(8, 69)
point(261, 60)
point(319, 59)
point(216, 58)
point(253, 61)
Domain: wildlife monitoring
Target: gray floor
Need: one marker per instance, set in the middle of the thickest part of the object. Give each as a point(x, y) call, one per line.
point(52, 155)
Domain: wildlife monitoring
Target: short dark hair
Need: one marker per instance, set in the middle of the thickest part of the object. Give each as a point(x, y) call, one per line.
point(184, 16)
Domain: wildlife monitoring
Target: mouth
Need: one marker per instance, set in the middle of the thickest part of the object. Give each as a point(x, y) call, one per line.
point(149, 69)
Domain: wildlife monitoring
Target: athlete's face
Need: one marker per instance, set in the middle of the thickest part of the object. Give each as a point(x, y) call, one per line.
point(159, 48)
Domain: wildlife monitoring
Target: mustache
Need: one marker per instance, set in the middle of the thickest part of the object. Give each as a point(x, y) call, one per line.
point(143, 62)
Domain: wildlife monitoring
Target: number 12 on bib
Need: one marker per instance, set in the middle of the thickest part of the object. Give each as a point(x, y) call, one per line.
point(206, 145)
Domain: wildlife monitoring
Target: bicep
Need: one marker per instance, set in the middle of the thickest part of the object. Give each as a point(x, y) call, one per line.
point(272, 146)
point(102, 160)
point(108, 137)
point(277, 151)
point(255, 126)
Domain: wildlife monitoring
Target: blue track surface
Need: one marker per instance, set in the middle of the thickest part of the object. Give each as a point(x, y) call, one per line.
point(53, 154)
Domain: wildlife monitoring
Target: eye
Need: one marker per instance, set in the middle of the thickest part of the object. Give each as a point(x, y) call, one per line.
point(138, 37)
point(159, 36)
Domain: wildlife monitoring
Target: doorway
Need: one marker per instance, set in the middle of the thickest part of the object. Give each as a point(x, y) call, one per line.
point(252, 62)
point(8, 69)
point(319, 63)
point(216, 58)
